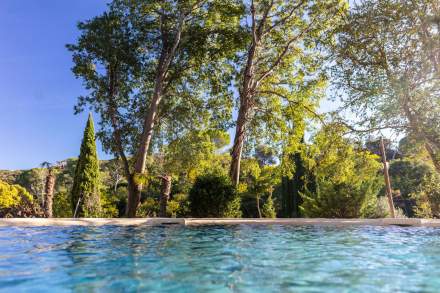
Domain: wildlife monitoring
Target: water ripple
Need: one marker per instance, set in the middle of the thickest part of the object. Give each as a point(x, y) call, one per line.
point(240, 258)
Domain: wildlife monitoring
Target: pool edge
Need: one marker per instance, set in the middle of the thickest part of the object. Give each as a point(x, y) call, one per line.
point(413, 222)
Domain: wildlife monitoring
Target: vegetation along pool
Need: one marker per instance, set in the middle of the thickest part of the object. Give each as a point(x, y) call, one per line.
point(240, 258)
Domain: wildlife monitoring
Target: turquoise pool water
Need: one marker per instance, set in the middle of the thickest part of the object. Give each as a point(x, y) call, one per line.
point(220, 259)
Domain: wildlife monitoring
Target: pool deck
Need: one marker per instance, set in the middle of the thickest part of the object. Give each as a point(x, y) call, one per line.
point(35, 222)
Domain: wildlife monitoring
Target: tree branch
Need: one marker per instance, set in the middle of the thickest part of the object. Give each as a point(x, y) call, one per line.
point(317, 115)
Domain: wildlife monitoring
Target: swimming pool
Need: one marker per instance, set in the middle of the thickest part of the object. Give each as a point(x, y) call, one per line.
point(241, 258)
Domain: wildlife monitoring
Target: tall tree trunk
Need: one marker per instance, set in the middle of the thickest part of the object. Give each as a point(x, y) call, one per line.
point(435, 157)
point(165, 195)
point(237, 148)
point(48, 191)
point(141, 155)
point(166, 57)
point(388, 189)
point(258, 206)
point(247, 92)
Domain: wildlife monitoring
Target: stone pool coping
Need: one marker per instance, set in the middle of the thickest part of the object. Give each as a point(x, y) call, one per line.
point(35, 222)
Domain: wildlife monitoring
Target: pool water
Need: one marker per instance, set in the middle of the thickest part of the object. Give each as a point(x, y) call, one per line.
point(243, 258)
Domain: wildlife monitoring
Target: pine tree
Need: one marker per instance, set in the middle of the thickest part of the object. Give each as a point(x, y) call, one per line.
point(85, 191)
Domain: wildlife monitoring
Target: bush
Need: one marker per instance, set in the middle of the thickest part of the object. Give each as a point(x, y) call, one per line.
point(62, 205)
point(427, 197)
point(268, 210)
point(347, 179)
point(109, 204)
point(342, 200)
point(149, 208)
point(407, 175)
point(15, 201)
point(382, 209)
point(178, 207)
point(213, 195)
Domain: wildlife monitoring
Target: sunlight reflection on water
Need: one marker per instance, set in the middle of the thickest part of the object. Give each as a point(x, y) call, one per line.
point(220, 258)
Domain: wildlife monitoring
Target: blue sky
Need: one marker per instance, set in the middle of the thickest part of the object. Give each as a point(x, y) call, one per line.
point(37, 88)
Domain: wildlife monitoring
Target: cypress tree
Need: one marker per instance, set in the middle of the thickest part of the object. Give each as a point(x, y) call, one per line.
point(292, 189)
point(85, 190)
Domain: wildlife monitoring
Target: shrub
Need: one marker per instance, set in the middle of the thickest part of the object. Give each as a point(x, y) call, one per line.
point(172, 207)
point(341, 200)
point(15, 201)
point(178, 207)
point(347, 180)
point(268, 209)
point(408, 175)
point(62, 205)
point(149, 208)
point(109, 204)
point(213, 195)
point(427, 197)
point(382, 208)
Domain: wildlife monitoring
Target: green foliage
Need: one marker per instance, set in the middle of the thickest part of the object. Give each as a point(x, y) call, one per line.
point(286, 63)
point(407, 176)
point(62, 205)
point(193, 153)
point(271, 58)
point(268, 210)
point(149, 208)
point(386, 70)
point(341, 200)
point(213, 195)
point(265, 155)
point(257, 182)
point(178, 207)
point(33, 180)
point(172, 207)
point(85, 188)
point(292, 186)
point(347, 179)
point(427, 196)
point(15, 201)
point(382, 208)
point(109, 205)
point(117, 55)
point(12, 195)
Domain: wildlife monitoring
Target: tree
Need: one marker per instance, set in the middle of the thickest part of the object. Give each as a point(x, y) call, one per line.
point(347, 178)
point(292, 187)
point(85, 190)
point(175, 27)
point(165, 195)
point(281, 63)
point(49, 188)
point(159, 59)
point(257, 184)
point(105, 58)
point(265, 155)
point(388, 69)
